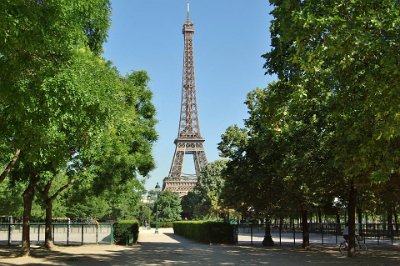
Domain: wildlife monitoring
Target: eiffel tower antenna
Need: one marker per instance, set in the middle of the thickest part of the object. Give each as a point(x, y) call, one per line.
point(188, 10)
point(189, 140)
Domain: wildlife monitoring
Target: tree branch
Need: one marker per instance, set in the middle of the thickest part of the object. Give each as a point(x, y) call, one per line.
point(10, 165)
point(61, 189)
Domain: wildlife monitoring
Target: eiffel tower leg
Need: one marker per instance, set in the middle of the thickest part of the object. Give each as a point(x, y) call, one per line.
point(177, 164)
point(200, 161)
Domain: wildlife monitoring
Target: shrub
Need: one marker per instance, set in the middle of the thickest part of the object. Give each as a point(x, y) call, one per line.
point(206, 231)
point(126, 232)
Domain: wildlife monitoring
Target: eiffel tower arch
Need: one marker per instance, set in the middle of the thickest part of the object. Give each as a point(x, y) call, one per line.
point(189, 140)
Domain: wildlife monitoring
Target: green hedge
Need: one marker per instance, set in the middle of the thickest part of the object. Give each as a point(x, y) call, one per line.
point(206, 231)
point(126, 232)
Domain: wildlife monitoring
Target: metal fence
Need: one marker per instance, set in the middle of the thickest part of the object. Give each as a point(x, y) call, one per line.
point(63, 233)
point(320, 234)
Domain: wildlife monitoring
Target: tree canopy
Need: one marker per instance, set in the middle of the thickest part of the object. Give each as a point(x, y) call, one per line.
point(328, 127)
point(168, 206)
point(66, 112)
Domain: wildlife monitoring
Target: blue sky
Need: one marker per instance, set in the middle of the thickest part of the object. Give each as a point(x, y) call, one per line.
point(230, 37)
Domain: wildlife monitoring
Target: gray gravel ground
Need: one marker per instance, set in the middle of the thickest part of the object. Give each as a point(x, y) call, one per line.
point(166, 248)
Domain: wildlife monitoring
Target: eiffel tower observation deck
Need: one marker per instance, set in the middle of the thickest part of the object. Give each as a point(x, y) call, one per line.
point(189, 140)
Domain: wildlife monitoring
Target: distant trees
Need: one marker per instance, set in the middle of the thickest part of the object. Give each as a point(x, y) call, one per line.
point(204, 200)
point(168, 206)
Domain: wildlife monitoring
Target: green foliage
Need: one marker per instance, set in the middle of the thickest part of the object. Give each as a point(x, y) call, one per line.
point(206, 231)
point(107, 170)
point(119, 201)
point(68, 113)
point(329, 125)
point(126, 232)
point(11, 199)
point(168, 206)
point(204, 201)
point(345, 51)
point(189, 204)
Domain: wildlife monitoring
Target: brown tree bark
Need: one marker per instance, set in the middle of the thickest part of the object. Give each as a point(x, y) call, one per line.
point(359, 220)
point(48, 236)
point(390, 223)
point(10, 165)
point(319, 216)
point(28, 199)
point(304, 224)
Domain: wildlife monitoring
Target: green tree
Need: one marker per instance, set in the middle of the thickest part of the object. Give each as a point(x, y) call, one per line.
point(168, 206)
point(189, 204)
point(204, 201)
point(253, 183)
point(11, 201)
point(40, 42)
point(345, 51)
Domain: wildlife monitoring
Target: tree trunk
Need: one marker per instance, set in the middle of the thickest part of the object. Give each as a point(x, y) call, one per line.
point(396, 221)
point(359, 220)
point(268, 242)
point(337, 217)
point(28, 199)
point(48, 241)
point(338, 228)
point(304, 224)
point(48, 236)
point(10, 165)
point(352, 218)
point(390, 224)
point(319, 216)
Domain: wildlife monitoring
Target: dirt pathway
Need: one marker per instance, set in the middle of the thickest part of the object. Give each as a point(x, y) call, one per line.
point(166, 248)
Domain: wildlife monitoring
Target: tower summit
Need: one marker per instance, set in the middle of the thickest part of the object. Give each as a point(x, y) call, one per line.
point(189, 140)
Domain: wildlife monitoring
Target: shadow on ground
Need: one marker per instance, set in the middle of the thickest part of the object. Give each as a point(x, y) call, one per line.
point(186, 252)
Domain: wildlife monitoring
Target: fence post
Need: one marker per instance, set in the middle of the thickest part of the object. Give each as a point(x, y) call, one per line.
point(294, 234)
point(111, 233)
point(251, 233)
point(68, 235)
point(366, 230)
point(9, 234)
point(378, 234)
point(322, 232)
point(336, 231)
point(97, 234)
point(280, 231)
point(82, 233)
point(237, 234)
point(391, 232)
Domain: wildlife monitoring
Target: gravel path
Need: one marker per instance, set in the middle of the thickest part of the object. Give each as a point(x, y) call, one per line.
point(166, 248)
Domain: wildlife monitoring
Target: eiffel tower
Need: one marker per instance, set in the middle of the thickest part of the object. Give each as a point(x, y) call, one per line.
point(189, 140)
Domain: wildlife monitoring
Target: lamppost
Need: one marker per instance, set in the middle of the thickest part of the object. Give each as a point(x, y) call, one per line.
point(157, 189)
point(148, 205)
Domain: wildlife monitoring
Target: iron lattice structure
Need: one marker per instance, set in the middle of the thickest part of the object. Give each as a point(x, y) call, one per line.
point(189, 140)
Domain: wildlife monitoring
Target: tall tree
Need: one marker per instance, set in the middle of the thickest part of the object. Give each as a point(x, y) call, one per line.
point(348, 51)
point(39, 41)
point(205, 198)
point(254, 175)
